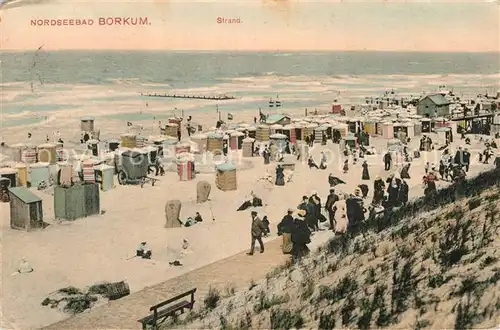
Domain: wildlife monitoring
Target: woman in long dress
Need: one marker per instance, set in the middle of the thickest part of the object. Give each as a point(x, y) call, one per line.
point(405, 171)
point(285, 228)
point(366, 175)
point(280, 177)
point(340, 215)
point(301, 236)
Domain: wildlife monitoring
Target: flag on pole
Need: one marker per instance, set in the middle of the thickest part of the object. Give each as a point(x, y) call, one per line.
point(229, 116)
point(271, 103)
point(278, 102)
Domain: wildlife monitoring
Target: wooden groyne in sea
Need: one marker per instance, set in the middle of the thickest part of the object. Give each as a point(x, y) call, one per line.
point(197, 97)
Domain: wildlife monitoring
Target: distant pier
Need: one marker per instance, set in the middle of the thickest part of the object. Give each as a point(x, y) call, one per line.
point(197, 97)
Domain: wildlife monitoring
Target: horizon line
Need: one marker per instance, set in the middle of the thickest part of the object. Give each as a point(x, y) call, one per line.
point(254, 50)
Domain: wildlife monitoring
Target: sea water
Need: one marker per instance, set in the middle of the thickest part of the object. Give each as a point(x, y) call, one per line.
point(38, 85)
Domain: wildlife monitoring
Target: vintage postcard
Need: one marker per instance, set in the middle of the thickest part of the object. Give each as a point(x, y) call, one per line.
point(251, 164)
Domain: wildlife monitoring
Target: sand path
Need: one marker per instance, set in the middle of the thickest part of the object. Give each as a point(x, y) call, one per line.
point(238, 270)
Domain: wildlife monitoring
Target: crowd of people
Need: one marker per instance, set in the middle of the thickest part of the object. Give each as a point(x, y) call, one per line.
point(347, 211)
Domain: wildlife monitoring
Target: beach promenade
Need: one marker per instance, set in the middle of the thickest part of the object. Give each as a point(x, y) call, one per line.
point(237, 271)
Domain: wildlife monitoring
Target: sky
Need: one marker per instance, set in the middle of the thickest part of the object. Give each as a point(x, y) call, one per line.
point(264, 25)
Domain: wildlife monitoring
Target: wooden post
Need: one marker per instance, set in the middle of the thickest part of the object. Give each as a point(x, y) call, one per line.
point(155, 319)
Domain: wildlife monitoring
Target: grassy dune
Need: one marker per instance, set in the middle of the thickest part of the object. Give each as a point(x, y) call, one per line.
point(431, 264)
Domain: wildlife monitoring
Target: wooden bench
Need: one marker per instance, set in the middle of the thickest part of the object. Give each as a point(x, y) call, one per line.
point(168, 308)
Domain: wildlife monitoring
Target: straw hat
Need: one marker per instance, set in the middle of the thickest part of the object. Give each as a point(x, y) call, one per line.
point(314, 192)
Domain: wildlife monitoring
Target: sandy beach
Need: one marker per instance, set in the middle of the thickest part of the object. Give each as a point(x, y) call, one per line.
point(95, 249)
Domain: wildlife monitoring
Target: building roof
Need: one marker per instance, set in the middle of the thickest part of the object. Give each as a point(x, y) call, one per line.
point(24, 194)
point(273, 119)
point(437, 99)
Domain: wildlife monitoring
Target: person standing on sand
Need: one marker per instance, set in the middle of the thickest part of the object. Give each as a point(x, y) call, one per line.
point(257, 230)
point(378, 191)
point(330, 201)
point(387, 161)
point(346, 166)
point(366, 174)
point(301, 236)
point(340, 215)
point(285, 230)
point(267, 156)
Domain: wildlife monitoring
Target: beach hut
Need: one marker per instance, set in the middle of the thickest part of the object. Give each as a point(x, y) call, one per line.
point(169, 146)
point(263, 132)
point(46, 153)
point(215, 143)
point(171, 129)
point(409, 129)
point(397, 127)
point(299, 128)
point(22, 174)
point(354, 125)
point(28, 154)
point(128, 140)
point(64, 174)
point(17, 150)
point(351, 141)
point(328, 129)
point(308, 130)
point(370, 126)
point(388, 130)
point(248, 146)
point(289, 131)
point(26, 212)
point(319, 132)
point(185, 167)
point(77, 201)
point(417, 128)
point(225, 178)
point(237, 140)
point(336, 108)
point(87, 124)
point(426, 125)
point(88, 170)
point(182, 147)
point(276, 128)
point(444, 135)
point(9, 173)
point(279, 140)
point(93, 146)
point(105, 175)
point(201, 142)
point(252, 132)
point(341, 128)
point(494, 126)
point(113, 144)
point(140, 141)
point(39, 172)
